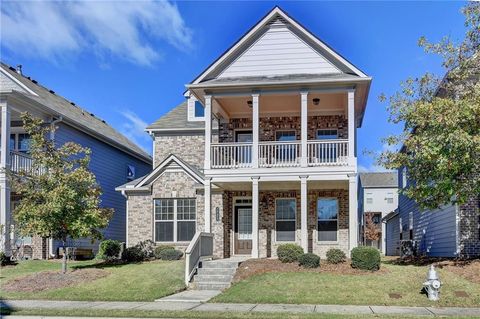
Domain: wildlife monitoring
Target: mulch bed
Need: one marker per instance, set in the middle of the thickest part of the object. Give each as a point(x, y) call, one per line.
point(259, 266)
point(53, 279)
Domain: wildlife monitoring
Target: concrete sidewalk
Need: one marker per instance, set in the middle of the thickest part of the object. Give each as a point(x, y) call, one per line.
point(225, 307)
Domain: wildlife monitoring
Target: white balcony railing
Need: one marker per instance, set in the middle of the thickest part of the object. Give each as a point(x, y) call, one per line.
point(327, 152)
point(279, 154)
point(231, 155)
point(21, 162)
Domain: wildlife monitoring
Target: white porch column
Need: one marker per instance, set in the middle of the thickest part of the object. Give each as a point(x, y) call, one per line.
point(5, 213)
point(208, 205)
point(255, 129)
point(351, 127)
point(304, 213)
point(208, 130)
point(255, 213)
point(352, 211)
point(303, 126)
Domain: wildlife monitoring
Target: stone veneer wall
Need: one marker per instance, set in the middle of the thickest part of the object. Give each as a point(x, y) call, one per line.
point(39, 247)
point(269, 125)
point(470, 229)
point(189, 147)
point(267, 243)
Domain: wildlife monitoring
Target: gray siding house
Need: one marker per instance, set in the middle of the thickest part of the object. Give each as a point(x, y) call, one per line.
point(114, 159)
point(451, 231)
point(377, 195)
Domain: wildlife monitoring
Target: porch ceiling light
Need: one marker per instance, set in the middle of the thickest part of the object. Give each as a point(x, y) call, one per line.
point(249, 103)
point(316, 101)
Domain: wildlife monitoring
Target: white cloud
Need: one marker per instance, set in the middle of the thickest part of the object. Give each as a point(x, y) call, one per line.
point(134, 129)
point(125, 29)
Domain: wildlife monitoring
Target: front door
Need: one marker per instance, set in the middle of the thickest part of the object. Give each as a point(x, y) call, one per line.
point(243, 230)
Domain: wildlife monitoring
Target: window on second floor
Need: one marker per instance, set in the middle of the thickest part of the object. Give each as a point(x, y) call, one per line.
point(327, 134)
point(20, 142)
point(369, 198)
point(199, 110)
point(389, 198)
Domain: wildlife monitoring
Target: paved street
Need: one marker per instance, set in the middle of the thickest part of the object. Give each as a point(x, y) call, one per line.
point(225, 307)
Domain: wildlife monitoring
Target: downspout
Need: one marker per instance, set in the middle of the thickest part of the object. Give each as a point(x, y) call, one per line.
point(126, 217)
point(52, 137)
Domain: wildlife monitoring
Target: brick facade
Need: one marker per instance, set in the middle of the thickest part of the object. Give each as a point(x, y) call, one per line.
point(269, 125)
point(188, 147)
point(469, 229)
point(267, 242)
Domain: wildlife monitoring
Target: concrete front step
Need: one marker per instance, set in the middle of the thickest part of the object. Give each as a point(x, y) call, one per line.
point(216, 271)
point(213, 278)
point(220, 264)
point(212, 286)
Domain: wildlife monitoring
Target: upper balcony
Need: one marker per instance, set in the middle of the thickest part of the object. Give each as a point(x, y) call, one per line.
point(288, 132)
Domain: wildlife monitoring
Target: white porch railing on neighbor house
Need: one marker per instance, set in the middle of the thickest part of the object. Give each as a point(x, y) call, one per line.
point(20, 162)
point(279, 154)
point(231, 155)
point(327, 152)
point(201, 247)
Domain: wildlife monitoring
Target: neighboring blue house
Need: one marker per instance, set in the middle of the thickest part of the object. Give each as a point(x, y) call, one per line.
point(451, 231)
point(114, 159)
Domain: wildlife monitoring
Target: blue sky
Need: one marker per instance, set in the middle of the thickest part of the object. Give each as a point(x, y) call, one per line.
point(128, 62)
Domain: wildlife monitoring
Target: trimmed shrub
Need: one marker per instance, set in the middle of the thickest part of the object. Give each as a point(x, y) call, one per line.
point(109, 250)
point(4, 260)
point(133, 254)
point(170, 254)
point(147, 247)
point(160, 248)
point(309, 260)
point(366, 258)
point(336, 256)
point(289, 253)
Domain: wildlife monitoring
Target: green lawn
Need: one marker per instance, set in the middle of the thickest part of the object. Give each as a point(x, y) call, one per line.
point(369, 289)
point(198, 314)
point(130, 282)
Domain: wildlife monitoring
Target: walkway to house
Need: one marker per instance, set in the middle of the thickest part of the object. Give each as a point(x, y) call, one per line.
point(224, 307)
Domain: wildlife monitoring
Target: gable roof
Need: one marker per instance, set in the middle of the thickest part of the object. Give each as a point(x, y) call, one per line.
point(143, 183)
point(275, 16)
point(84, 120)
point(381, 179)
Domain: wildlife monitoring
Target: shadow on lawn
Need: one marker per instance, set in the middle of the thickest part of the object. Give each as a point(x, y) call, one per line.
point(427, 261)
point(103, 265)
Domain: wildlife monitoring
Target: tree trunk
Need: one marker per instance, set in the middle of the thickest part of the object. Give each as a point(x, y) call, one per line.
point(64, 258)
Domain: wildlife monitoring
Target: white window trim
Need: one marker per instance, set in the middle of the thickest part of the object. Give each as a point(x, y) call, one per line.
point(286, 130)
point(175, 220)
point(325, 129)
point(331, 242)
point(295, 220)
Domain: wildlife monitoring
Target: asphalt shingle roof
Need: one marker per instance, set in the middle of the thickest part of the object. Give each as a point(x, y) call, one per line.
point(74, 113)
point(383, 179)
point(177, 118)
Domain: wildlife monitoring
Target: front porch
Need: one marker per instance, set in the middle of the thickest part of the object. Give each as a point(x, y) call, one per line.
point(253, 218)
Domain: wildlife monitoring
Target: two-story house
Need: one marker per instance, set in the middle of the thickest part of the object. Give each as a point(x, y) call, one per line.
point(114, 158)
point(378, 196)
point(261, 153)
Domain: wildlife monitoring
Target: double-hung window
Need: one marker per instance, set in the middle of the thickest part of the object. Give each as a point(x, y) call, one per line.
point(327, 219)
point(174, 219)
point(285, 213)
point(327, 152)
point(286, 153)
point(389, 198)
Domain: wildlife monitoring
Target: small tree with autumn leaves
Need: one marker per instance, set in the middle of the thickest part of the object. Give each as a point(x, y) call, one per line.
point(372, 231)
point(441, 117)
point(60, 197)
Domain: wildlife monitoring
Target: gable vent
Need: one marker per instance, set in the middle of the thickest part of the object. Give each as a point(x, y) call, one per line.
point(277, 22)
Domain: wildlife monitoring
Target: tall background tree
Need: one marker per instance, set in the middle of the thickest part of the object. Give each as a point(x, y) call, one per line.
point(60, 197)
point(441, 117)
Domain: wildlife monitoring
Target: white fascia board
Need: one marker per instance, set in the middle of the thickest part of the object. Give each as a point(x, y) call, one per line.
point(19, 83)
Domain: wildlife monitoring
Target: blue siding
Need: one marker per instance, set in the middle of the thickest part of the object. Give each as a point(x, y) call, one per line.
point(109, 165)
point(434, 230)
